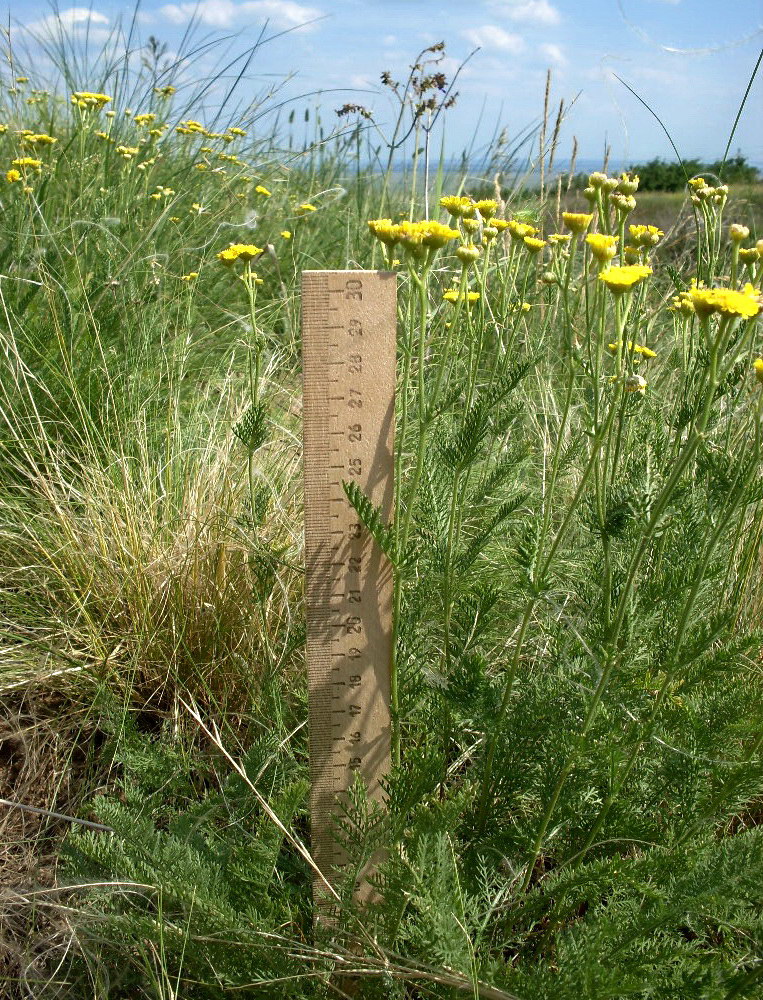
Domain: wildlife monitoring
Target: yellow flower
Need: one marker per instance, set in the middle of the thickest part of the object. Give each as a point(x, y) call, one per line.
point(578, 222)
point(452, 296)
point(435, 235)
point(384, 230)
point(758, 367)
point(559, 238)
point(519, 230)
point(3, 128)
point(38, 139)
point(486, 207)
point(645, 352)
point(87, 100)
point(190, 276)
point(306, 207)
point(622, 279)
point(127, 152)
point(167, 91)
point(190, 126)
point(28, 163)
point(145, 119)
point(533, 245)
point(239, 251)
point(105, 136)
point(602, 247)
point(236, 131)
point(500, 224)
point(628, 183)
point(470, 225)
point(697, 183)
point(632, 254)
point(22, 79)
point(285, 234)
point(749, 255)
point(457, 205)
point(645, 236)
point(260, 189)
point(12, 176)
point(725, 301)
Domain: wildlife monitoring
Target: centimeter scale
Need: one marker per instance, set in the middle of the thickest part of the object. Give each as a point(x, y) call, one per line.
point(348, 346)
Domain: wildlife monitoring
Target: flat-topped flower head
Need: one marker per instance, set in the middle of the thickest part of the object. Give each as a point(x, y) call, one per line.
point(88, 101)
point(533, 245)
point(285, 234)
point(27, 163)
point(237, 131)
point(519, 230)
point(306, 208)
point(749, 255)
point(435, 235)
point(557, 239)
point(457, 205)
point(697, 183)
point(261, 189)
point(384, 230)
point(500, 224)
point(603, 247)
point(244, 252)
point(645, 236)
point(634, 348)
point(13, 176)
point(757, 367)
point(578, 222)
point(452, 295)
point(725, 301)
point(38, 139)
point(622, 279)
point(486, 207)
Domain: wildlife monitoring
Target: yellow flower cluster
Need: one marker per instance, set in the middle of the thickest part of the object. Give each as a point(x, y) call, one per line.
point(127, 152)
point(261, 189)
point(27, 163)
point(578, 222)
point(162, 192)
point(239, 251)
point(452, 295)
point(459, 206)
point(645, 352)
point(645, 236)
point(88, 101)
point(602, 247)
point(725, 301)
point(145, 119)
point(521, 230)
point(415, 237)
point(166, 91)
point(622, 279)
point(38, 139)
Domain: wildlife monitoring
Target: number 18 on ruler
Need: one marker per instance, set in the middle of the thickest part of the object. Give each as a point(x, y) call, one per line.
point(348, 347)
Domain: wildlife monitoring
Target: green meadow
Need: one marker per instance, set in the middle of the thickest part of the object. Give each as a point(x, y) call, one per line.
point(574, 810)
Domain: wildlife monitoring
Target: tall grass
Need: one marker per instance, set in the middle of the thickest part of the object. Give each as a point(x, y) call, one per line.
point(576, 807)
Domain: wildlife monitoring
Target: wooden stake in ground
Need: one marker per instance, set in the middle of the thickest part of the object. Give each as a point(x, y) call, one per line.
point(348, 347)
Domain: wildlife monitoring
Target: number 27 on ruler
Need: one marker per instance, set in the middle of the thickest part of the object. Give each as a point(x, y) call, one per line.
point(348, 347)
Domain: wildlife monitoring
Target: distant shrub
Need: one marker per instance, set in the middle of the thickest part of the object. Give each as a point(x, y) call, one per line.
point(661, 175)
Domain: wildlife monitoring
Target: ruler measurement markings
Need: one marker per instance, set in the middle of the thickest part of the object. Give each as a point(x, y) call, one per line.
point(348, 578)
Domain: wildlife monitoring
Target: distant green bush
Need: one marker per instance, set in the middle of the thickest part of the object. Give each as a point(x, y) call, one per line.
point(660, 175)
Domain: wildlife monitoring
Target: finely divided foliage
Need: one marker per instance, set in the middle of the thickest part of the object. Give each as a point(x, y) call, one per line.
point(574, 810)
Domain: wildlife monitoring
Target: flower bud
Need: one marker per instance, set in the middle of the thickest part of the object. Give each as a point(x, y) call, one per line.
point(737, 232)
point(628, 184)
point(589, 194)
point(597, 179)
point(610, 184)
point(471, 225)
point(468, 255)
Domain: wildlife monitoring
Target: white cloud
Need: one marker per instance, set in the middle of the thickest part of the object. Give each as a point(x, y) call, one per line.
point(280, 14)
point(553, 53)
point(72, 21)
point(490, 36)
point(528, 11)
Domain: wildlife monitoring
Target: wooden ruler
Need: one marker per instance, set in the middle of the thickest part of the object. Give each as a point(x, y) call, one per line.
point(348, 348)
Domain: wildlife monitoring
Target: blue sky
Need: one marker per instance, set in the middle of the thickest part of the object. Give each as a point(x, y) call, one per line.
point(689, 59)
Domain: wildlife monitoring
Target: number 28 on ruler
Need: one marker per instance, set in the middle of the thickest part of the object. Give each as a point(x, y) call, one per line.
point(348, 343)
